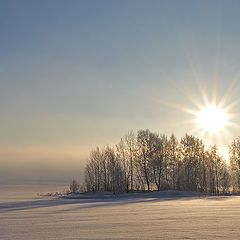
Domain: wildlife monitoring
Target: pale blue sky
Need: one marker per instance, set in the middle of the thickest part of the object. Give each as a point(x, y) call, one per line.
point(76, 74)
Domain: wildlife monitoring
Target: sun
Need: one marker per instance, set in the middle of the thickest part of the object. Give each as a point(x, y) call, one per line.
point(212, 119)
point(209, 113)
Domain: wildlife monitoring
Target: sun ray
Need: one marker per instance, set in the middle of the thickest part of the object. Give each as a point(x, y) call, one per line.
point(232, 104)
point(228, 93)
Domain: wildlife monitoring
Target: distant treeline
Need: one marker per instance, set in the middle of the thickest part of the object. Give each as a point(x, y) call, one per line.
point(148, 161)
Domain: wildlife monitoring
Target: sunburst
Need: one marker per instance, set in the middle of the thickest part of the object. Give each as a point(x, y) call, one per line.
point(212, 118)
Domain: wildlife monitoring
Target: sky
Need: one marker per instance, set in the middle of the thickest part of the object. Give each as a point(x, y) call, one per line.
point(77, 74)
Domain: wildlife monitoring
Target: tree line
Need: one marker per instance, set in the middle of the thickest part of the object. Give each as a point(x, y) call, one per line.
point(147, 161)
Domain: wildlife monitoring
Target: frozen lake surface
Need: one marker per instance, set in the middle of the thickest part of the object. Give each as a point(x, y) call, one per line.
point(24, 215)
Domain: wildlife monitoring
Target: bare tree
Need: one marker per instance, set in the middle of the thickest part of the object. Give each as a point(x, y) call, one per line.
point(192, 155)
point(103, 171)
point(159, 159)
point(126, 153)
point(174, 161)
point(74, 186)
point(234, 150)
point(151, 161)
point(145, 154)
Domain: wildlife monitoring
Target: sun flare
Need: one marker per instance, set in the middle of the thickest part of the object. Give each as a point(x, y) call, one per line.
point(212, 119)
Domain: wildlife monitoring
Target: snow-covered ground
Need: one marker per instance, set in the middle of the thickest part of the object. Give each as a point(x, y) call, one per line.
point(164, 215)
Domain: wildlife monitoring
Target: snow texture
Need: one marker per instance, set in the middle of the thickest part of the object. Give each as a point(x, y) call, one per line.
point(158, 215)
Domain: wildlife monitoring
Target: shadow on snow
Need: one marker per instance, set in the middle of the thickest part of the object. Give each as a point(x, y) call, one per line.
point(89, 200)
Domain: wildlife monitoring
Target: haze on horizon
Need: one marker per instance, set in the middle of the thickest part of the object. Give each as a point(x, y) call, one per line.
point(77, 74)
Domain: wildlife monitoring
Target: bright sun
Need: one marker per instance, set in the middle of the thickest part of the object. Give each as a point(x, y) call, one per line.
point(212, 119)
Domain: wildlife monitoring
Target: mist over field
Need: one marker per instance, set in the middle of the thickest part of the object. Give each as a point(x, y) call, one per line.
point(45, 171)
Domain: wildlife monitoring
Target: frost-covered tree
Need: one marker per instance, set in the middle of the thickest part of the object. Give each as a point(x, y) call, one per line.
point(103, 171)
point(159, 163)
point(174, 162)
point(126, 153)
point(145, 156)
point(151, 161)
point(74, 186)
point(234, 150)
point(192, 150)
